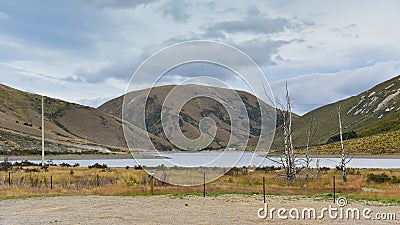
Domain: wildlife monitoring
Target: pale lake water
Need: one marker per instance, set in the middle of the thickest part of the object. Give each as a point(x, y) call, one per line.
point(227, 159)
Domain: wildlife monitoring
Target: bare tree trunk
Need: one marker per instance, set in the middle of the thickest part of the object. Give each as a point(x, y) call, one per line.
point(286, 146)
point(289, 149)
point(308, 159)
point(343, 162)
point(287, 161)
point(292, 156)
point(317, 167)
point(288, 158)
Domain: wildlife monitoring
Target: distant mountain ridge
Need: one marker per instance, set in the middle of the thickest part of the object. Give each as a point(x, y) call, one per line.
point(68, 127)
point(372, 112)
point(193, 111)
point(71, 127)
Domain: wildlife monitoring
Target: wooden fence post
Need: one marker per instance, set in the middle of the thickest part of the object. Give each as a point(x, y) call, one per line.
point(204, 185)
point(264, 189)
point(334, 189)
point(152, 185)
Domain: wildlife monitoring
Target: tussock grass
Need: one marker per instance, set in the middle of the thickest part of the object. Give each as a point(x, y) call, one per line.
point(132, 182)
point(381, 144)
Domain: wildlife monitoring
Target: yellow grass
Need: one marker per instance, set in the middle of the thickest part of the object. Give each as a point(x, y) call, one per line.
point(121, 181)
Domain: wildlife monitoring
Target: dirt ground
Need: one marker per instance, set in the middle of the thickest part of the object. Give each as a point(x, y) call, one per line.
point(223, 209)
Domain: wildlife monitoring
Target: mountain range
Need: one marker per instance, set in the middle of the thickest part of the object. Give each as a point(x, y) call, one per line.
point(371, 121)
point(72, 128)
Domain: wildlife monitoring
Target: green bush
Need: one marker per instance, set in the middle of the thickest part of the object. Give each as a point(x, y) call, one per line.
point(26, 163)
point(378, 178)
point(98, 166)
point(346, 136)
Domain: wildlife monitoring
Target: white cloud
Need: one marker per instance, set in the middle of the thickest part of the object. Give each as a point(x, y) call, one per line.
point(88, 49)
point(314, 90)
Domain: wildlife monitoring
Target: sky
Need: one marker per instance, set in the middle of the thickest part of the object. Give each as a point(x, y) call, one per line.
point(86, 51)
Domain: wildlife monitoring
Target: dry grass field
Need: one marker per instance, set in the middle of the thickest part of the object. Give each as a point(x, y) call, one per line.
point(33, 181)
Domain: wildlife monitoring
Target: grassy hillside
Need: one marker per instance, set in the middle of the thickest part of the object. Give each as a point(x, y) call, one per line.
point(372, 116)
point(373, 112)
point(386, 143)
point(68, 127)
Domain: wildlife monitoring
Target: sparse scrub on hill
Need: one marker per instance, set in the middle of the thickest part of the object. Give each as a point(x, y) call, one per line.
point(385, 143)
point(382, 178)
point(346, 136)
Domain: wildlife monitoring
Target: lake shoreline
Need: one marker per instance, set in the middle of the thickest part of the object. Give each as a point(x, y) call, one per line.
point(83, 157)
point(165, 155)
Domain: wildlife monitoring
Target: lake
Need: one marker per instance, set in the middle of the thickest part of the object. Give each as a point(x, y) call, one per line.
point(226, 159)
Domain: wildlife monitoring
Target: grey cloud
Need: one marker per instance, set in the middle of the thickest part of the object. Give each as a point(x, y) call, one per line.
point(73, 79)
point(215, 34)
point(228, 10)
point(253, 10)
point(121, 70)
point(119, 3)
point(177, 9)
point(280, 58)
point(314, 90)
point(262, 51)
point(208, 4)
point(254, 22)
point(196, 70)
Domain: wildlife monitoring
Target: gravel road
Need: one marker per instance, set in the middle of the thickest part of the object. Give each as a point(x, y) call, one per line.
point(224, 209)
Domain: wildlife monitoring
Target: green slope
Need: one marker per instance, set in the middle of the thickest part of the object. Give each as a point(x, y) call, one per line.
point(372, 112)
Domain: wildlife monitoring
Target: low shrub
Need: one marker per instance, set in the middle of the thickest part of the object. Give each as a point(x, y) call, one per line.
point(98, 166)
point(378, 178)
point(26, 163)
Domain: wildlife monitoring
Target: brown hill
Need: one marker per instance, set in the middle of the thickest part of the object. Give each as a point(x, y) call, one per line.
point(74, 128)
point(192, 112)
point(68, 127)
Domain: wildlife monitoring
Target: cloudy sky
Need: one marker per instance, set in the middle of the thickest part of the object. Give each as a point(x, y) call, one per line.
point(86, 51)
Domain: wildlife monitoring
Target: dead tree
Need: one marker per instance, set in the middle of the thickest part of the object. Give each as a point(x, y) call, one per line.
point(288, 158)
point(308, 159)
point(344, 159)
point(6, 164)
point(317, 167)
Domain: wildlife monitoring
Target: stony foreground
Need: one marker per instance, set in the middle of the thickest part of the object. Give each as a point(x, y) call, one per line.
point(224, 209)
